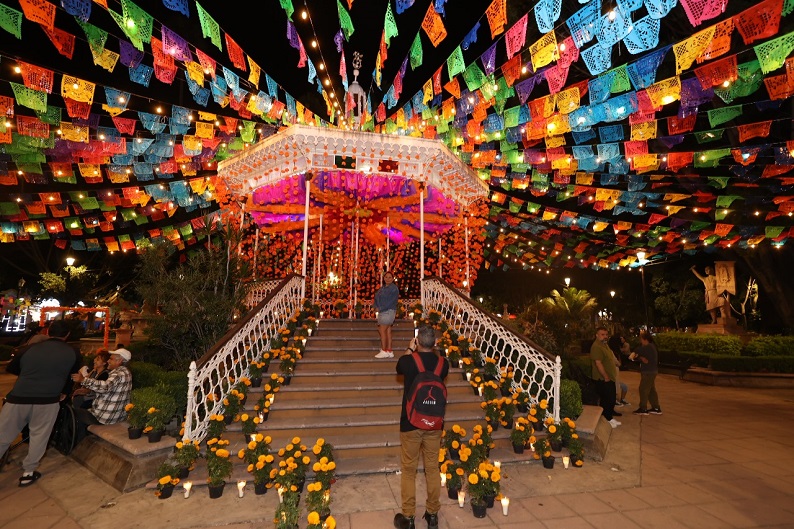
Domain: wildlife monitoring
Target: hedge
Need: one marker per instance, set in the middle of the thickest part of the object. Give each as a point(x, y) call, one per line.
point(701, 343)
point(570, 399)
point(757, 364)
point(770, 346)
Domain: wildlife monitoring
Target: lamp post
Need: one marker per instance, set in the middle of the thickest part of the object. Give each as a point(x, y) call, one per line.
point(641, 258)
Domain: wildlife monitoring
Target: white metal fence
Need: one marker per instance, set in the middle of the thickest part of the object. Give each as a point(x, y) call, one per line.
point(536, 371)
point(209, 378)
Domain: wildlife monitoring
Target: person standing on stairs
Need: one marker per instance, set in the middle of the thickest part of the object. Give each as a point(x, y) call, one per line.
point(416, 442)
point(386, 305)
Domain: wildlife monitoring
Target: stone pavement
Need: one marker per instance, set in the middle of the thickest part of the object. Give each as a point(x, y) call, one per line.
point(718, 458)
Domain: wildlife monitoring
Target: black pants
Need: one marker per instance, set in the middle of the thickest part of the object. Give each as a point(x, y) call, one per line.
point(84, 419)
point(606, 397)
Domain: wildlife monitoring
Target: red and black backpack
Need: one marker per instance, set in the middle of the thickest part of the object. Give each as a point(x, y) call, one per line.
point(427, 397)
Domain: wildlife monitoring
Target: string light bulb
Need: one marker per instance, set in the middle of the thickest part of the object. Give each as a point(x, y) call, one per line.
point(304, 14)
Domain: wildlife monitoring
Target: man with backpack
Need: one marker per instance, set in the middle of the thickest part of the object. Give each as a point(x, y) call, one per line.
point(421, 424)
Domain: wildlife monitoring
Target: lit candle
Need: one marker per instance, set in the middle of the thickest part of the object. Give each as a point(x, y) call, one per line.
point(468, 377)
point(280, 494)
point(505, 505)
point(241, 488)
point(460, 364)
point(310, 331)
point(187, 485)
point(304, 341)
point(565, 461)
point(321, 315)
point(271, 398)
point(461, 498)
point(443, 479)
point(479, 390)
point(497, 464)
point(253, 435)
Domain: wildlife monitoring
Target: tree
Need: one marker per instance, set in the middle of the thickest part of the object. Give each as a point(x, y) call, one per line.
point(569, 314)
point(69, 285)
point(677, 300)
point(195, 300)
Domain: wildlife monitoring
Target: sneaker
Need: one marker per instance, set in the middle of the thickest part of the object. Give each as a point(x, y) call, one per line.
point(614, 424)
point(402, 521)
point(384, 354)
point(624, 403)
point(618, 404)
point(616, 414)
point(640, 411)
point(655, 411)
point(432, 520)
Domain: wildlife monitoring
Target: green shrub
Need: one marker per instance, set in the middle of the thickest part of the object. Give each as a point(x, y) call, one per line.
point(149, 352)
point(770, 346)
point(5, 352)
point(758, 364)
point(678, 359)
point(570, 399)
point(175, 384)
point(144, 374)
point(701, 343)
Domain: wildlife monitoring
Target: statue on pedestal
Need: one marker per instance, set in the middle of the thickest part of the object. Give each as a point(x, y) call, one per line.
point(718, 287)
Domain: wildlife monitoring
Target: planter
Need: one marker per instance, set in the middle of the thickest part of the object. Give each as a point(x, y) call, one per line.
point(509, 424)
point(522, 408)
point(325, 514)
point(452, 493)
point(505, 392)
point(489, 500)
point(548, 462)
point(256, 382)
point(228, 419)
point(494, 425)
point(518, 449)
point(216, 491)
point(166, 492)
point(184, 472)
point(287, 380)
point(575, 460)
point(476, 390)
point(260, 488)
point(538, 426)
point(301, 484)
point(155, 436)
point(265, 415)
point(463, 375)
point(479, 508)
point(454, 454)
point(134, 433)
point(556, 446)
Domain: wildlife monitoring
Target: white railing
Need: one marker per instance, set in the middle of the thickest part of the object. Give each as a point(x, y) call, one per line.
point(211, 378)
point(258, 290)
point(536, 371)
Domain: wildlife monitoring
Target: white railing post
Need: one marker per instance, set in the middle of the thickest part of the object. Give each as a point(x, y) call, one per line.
point(191, 381)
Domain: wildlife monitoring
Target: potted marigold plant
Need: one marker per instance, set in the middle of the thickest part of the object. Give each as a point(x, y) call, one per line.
point(166, 480)
point(288, 511)
point(219, 466)
point(506, 382)
point(318, 499)
point(340, 308)
point(451, 440)
point(162, 409)
point(554, 434)
point(537, 414)
point(483, 486)
point(136, 418)
point(216, 426)
point(491, 409)
point(185, 454)
point(490, 368)
point(260, 461)
point(454, 474)
point(255, 369)
point(507, 410)
point(567, 430)
point(576, 450)
point(520, 435)
point(249, 423)
point(521, 398)
point(232, 405)
point(543, 452)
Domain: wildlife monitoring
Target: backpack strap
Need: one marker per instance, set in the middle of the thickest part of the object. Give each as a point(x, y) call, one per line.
point(439, 366)
point(419, 364)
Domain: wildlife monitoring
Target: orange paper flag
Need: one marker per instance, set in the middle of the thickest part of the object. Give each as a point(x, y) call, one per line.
point(434, 26)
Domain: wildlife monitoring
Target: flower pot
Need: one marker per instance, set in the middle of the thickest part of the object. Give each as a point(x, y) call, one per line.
point(184, 472)
point(155, 436)
point(260, 488)
point(228, 418)
point(325, 514)
point(556, 445)
point(576, 462)
point(265, 415)
point(548, 462)
point(256, 382)
point(454, 454)
point(134, 433)
point(476, 390)
point(522, 408)
point(518, 449)
point(301, 484)
point(216, 491)
point(166, 491)
point(489, 499)
point(509, 424)
point(463, 374)
point(538, 426)
point(494, 425)
point(287, 380)
point(452, 493)
point(479, 508)
point(505, 392)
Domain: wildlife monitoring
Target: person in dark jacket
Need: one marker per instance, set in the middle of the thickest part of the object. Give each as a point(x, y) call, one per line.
point(43, 371)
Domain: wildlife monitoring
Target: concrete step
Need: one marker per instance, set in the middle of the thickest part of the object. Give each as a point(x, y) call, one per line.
point(345, 324)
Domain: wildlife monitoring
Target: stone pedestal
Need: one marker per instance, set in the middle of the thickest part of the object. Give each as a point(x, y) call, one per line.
point(723, 326)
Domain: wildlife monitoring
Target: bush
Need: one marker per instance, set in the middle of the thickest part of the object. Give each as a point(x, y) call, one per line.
point(770, 346)
point(701, 343)
point(570, 399)
point(144, 374)
point(149, 352)
point(5, 352)
point(174, 383)
point(759, 364)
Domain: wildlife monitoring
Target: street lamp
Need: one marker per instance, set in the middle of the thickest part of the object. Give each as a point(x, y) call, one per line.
point(612, 294)
point(567, 281)
point(70, 261)
point(641, 257)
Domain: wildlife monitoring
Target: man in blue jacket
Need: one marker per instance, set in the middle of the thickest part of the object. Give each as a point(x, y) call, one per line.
point(43, 370)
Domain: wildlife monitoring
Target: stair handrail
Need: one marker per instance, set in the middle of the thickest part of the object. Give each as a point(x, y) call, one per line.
point(531, 363)
point(258, 291)
point(229, 359)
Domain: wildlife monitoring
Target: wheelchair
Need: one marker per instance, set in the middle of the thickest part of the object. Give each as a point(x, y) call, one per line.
point(63, 436)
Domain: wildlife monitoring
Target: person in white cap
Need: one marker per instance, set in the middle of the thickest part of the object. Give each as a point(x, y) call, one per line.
point(112, 395)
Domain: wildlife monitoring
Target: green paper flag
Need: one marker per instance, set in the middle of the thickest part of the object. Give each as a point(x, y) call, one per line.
point(51, 116)
point(725, 201)
point(718, 116)
point(455, 63)
point(389, 26)
point(344, 20)
point(699, 225)
point(620, 83)
point(96, 37)
point(474, 77)
point(720, 182)
point(772, 54)
point(209, 28)
point(773, 232)
point(416, 53)
point(248, 132)
point(709, 135)
point(27, 97)
point(11, 20)
point(288, 8)
point(142, 22)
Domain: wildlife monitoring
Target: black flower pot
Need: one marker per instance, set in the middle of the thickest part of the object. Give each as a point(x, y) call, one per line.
point(556, 445)
point(489, 499)
point(287, 380)
point(479, 508)
point(518, 449)
point(216, 491)
point(228, 418)
point(452, 493)
point(184, 472)
point(256, 382)
point(522, 408)
point(548, 462)
point(134, 433)
point(166, 492)
point(260, 488)
point(155, 435)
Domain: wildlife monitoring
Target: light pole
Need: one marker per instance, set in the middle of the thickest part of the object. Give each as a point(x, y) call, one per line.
point(641, 258)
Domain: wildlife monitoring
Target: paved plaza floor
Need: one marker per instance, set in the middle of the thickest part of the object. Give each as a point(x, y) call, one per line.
point(717, 458)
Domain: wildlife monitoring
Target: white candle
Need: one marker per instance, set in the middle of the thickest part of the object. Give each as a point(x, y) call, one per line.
point(304, 341)
point(253, 435)
point(443, 479)
point(187, 485)
point(479, 390)
point(505, 505)
point(271, 398)
point(280, 494)
point(310, 331)
point(321, 315)
point(565, 461)
point(468, 377)
point(460, 364)
point(461, 498)
point(497, 464)
point(241, 488)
